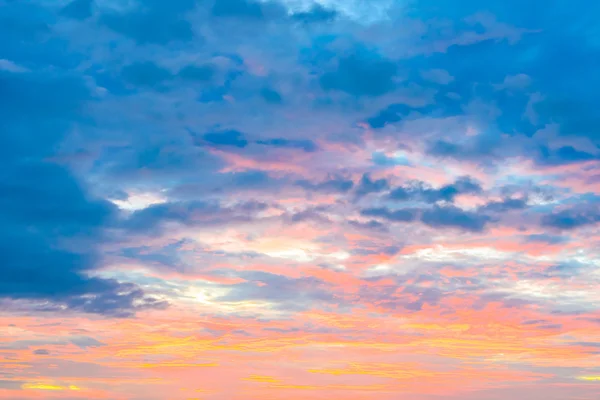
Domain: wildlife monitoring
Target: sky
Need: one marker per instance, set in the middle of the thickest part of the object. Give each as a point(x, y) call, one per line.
point(299, 199)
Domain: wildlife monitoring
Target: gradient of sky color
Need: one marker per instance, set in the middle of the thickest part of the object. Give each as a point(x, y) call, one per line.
point(299, 199)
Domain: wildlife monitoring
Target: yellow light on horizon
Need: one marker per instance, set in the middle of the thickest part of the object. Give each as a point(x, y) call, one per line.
point(589, 378)
point(41, 386)
point(45, 386)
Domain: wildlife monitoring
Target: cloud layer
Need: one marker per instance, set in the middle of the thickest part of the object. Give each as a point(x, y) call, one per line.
point(299, 199)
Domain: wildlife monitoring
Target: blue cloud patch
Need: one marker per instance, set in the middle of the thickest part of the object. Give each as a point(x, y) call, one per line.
point(226, 138)
point(421, 192)
point(154, 22)
point(454, 217)
point(361, 73)
point(316, 14)
point(402, 215)
point(51, 225)
point(78, 9)
point(571, 218)
point(304, 144)
point(247, 9)
point(145, 74)
point(367, 185)
point(199, 73)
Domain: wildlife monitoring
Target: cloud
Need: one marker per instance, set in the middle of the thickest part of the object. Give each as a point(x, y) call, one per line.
point(306, 145)
point(78, 9)
point(571, 218)
point(546, 238)
point(361, 74)
point(316, 14)
point(482, 148)
point(51, 224)
point(454, 217)
point(145, 74)
point(151, 220)
point(391, 114)
point(369, 225)
point(197, 73)
point(271, 96)
point(247, 9)
point(333, 184)
point(226, 138)
point(37, 219)
point(504, 205)
point(81, 341)
point(237, 139)
point(153, 22)
point(366, 185)
point(237, 8)
point(563, 155)
point(403, 215)
point(282, 291)
point(418, 191)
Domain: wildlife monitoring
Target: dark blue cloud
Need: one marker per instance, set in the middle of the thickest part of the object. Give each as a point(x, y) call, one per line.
point(571, 218)
point(237, 8)
point(248, 9)
point(392, 113)
point(316, 14)
point(361, 73)
point(332, 185)
point(402, 215)
point(271, 96)
point(563, 155)
point(418, 191)
point(505, 205)
point(154, 22)
point(199, 73)
point(50, 228)
point(78, 9)
point(306, 145)
point(226, 138)
point(234, 138)
point(51, 225)
point(250, 179)
point(145, 74)
point(454, 217)
point(367, 185)
point(482, 148)
point(372, 225)
point(546, 238)
point(151, 220)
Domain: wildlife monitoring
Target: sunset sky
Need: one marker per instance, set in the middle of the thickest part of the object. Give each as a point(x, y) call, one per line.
point(300, 199)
